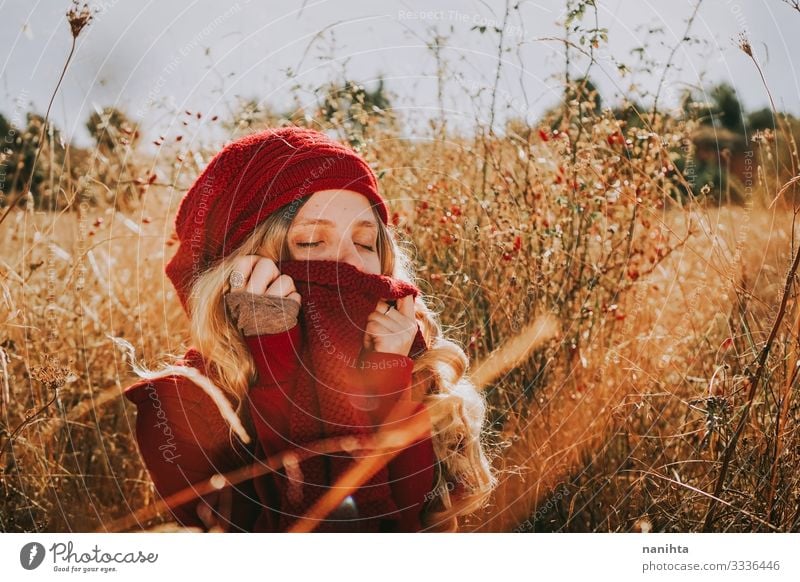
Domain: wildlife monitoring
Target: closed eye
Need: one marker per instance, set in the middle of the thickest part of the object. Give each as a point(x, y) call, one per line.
point(314, 244)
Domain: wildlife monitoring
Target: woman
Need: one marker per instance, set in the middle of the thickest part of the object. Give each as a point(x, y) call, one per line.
point(303, 313)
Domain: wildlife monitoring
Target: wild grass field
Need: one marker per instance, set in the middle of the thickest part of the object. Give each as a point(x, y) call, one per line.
point(667, 401)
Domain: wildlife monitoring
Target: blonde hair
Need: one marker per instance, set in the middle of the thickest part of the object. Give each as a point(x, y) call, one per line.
point(464, 475)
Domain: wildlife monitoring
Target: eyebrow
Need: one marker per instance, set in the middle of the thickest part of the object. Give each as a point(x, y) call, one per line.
point(326, 222)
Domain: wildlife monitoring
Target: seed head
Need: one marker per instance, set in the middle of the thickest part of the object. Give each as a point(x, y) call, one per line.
point(744, 44)
point(79, 17)
point(52, 374)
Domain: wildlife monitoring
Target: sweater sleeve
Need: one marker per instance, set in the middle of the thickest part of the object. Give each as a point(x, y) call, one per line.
point(257, 314)
point(183, 440)
point(277, 358)
point(411, 474)
point(387, 377)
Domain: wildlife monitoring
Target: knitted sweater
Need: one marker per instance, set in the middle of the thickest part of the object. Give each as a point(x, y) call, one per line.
point(183, 439)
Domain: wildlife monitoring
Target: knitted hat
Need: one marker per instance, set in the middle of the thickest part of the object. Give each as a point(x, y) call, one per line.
point(248, 180)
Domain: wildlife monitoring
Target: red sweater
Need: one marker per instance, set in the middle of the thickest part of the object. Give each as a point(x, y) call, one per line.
point(183, 439)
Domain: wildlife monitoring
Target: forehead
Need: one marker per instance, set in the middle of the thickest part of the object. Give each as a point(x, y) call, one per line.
point(333, 207)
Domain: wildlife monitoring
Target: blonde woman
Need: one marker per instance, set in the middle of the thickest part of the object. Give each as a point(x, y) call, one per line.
point(306, 325)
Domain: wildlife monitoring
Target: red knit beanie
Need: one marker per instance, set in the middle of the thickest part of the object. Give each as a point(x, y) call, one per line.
point(248, 180)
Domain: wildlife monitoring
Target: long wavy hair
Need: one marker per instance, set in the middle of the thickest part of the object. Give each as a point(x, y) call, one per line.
point(464, 474)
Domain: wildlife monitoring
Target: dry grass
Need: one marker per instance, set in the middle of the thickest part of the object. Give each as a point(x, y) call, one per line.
point(633, 450)
point(654, 392)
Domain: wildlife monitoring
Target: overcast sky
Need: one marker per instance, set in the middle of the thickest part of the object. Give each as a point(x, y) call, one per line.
point(151, 58)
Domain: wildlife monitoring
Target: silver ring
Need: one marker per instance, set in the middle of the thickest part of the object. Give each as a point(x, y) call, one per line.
point(236, 279)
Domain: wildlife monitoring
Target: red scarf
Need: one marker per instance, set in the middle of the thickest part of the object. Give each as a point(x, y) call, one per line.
point(336, 300)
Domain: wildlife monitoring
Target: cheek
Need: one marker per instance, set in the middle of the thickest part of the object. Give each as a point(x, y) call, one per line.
point(373, 265)
point(300, 253)
point(307, 255)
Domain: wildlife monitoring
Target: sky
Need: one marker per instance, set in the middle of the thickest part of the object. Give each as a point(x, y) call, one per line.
point(155, 60)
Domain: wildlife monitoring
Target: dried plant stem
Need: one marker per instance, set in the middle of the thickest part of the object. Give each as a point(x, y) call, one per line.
point(28, 184)
point(783, 415)
point(754, 379)
point(514, 351)
point(26, 422)
point(701, 492)
point(384, 442)
point(220, 480)
point(669, 61)
point(388, 444)
point(492, 107)
point(510, 355)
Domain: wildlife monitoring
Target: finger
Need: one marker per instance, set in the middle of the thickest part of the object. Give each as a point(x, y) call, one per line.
point(405, 305)
point(283, 286)
point(378, 329)
point(296, 296)
point(383, 307)
point(398, 316)
point(264, 272)
point(379, 317)
point(244, 265)
point(392, 318)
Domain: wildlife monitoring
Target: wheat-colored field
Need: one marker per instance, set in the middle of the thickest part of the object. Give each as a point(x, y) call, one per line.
point(622, 423)
point(631, 437)
point(622, 277)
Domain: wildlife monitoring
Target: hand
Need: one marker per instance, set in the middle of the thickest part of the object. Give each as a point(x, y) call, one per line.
point(261, 276)
point(393, 331)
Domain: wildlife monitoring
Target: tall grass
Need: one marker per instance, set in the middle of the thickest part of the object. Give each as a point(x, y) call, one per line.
point(664, 302)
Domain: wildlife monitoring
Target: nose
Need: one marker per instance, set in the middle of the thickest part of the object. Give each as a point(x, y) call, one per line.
point(348, 253)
